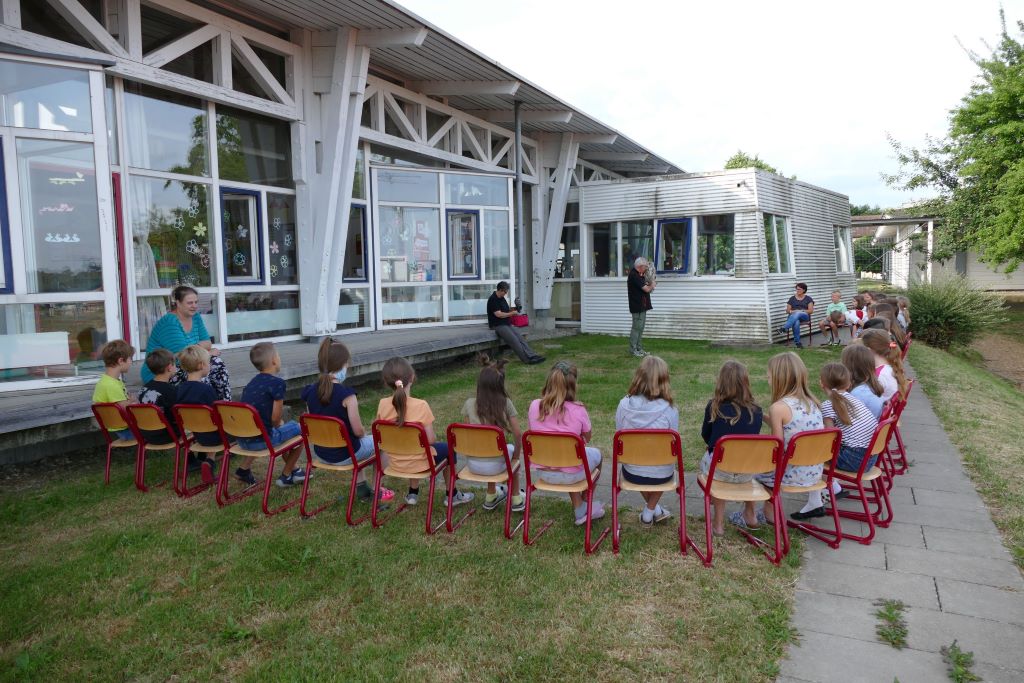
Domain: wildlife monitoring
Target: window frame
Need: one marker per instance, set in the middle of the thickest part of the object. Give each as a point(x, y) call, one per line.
point(449, 246)
point(687, 245)
point(6, 260)
point(843, 249)
point(775, 218)
point(258, 238)
point(364, 209)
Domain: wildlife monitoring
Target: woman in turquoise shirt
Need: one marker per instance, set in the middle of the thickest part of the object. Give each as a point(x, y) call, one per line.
point(182, 327)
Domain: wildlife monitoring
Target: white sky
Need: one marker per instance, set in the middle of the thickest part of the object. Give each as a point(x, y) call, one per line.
point(813, 88)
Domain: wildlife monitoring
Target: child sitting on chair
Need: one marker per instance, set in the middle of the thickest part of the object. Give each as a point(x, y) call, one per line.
point(194, 361)
point(856, 316)
point(835, 317)
point(117, 360)
point(265, 392)
point(160, 392)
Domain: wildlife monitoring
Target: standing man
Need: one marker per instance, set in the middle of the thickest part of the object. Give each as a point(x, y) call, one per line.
point(639, 291)
point(498, 314)
point(799, 309)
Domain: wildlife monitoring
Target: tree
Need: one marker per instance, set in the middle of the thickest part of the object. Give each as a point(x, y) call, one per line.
point(977, 170)
point(741, 160)
point(864, 210)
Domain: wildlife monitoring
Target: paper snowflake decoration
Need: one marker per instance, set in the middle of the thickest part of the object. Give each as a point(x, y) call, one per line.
point(179, 223)
point(289, 240)
point(273, 271)
point(204, 261)
point(277, 221)
point(284, 261)
point(243, 231)
point(193, 210)
point(274, 249)
point(200, 230)
point(239, 259)
point(192, 247)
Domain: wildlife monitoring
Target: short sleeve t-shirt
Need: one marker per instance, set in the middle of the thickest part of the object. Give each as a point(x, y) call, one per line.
point(867, 397)
point(333, 408)
point(572, 420)
point(163, 395)
point(862, 425)
point(831, 308)
point(109, 390)
point(169, 334)
point(800, 304)
point(261, 392)
point(469, 410)
point(200, 394)
point(496, 303)
point(416, 410)
point(888, 381)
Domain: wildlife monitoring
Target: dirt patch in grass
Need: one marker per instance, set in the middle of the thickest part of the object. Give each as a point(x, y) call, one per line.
point(1002, 355)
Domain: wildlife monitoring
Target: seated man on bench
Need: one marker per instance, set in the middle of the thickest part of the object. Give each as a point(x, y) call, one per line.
point(498, 314)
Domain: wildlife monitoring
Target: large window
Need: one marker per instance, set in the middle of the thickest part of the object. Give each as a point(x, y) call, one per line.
point(463, 244)
point(616, 246)
point(241, 230)
point(673, 246)
point(253, 148)
point(165, 131)
point(604, 241)
point(637, 241)
point(716, 245)
point(410, 244)
point(6, 278)
point(284, 259)
point(776, 240)
point(44, 97)
point(170, 233)
point(354, 269)
point(844, 260)
point(497, 256)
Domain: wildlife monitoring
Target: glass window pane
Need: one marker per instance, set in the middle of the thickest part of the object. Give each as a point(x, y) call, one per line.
point(253, 148)
point(572, 212)
point(565, 300)
point(497, 259)
point(410, 305)
point(165, 131)
point(359, 179)
point(567, 262)
point(715, 245)
point(410, 241)
point(152, 308)
point(605, 262)
point(111, 112)
point(60, 216)
point(46, 97)
point(463, 230)
point(258, 315)
point(240, 228)
point(782, 235)
point(407, 186)
point(673, 249)
point(51, 340)
point(476, 190)
point(468, 302)
point(170, 233)
point(352, 309)
point(283, 244)
point(355, 245)
point(769, 243)
point(637, 241)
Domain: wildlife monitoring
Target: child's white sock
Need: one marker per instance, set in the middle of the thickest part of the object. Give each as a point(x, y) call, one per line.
point(647, 515)
point(813, 501)
point(836, 488)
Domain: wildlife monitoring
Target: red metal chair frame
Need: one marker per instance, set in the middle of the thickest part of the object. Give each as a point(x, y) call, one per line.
point(353, 466)
point(590, 477)
point(431, 473)
point(833, 539)
point(906, 347)
point(706, 487)
point(272, 453)
point(135, 412)
point(97, 410)
point(190, 445)
point(898, 459)
point(511, 467)
point(675, 456)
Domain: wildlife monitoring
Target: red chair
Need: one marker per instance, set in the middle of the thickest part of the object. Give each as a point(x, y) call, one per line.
point(741, 454)
point(330, 432)
point(241, 421)
point(810, 329)
point(899, 458)
point(111, 416)
point(408, 439)
point(559, 449)
point(193, 419)
point(147, 417)
point(906, 347)
point(483, 441)
point(647, 447)
point(813, 447)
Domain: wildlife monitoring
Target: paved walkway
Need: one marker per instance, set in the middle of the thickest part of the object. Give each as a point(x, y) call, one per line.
point(942, 556)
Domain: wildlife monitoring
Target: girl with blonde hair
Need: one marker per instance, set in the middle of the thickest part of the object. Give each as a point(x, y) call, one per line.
point(888, 362)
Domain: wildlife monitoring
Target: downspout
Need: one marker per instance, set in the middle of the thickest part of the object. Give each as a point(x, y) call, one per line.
point(520, 227)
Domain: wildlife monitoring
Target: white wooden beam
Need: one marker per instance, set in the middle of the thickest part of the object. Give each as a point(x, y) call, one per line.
point(386, 37)
point(10, 13)
point(544, 262)
point(465, 87)
point(433, 152)
point(615, 156)
point(187, 10)
point(596, 138)
point(528, 115)
point(222, 74)
point(400, 119)
point(90, 29)
point(177, 48)
point(258, 70)
point(124, 21)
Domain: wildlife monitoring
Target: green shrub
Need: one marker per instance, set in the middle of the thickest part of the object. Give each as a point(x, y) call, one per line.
point(952, 311)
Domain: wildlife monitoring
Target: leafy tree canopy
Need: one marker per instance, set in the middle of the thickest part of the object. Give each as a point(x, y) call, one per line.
point(977, 170)
point(742, 160)
point(864, 210)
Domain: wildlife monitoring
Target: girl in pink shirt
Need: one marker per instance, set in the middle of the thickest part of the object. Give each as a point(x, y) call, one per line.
point(557, 410)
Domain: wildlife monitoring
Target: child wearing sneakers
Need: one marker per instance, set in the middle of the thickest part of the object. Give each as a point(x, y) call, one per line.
point(557, 410)
point(265, 392)
point(194, 361)
point(117, 360)
point(835, 317)
point(329, 396)
point(648, 405)
point(492, 406)
point(400, 408)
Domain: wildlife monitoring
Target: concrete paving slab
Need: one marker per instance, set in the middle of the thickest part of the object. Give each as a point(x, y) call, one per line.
point(970, 542)
point(997, 674)
point(986, 602)
point(958, 566)
point(930, 515)
point(991, 642)
point(837, 615)
point(868, 583)
point(859, 661)
point(848, 552)
point(935, 482)
point(947, 499)
point(899, 533)
point(901, 497)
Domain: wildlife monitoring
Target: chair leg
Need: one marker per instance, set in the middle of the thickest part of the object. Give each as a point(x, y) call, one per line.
point(182, 489)
point(526, 520)
point(900, 463)
point(140, 469)
point(865, 516)
point(431, 529)
point(705, 556)
point(830, 537)
point(683, 537)
point(616, 530)
point(266, 491)
point(587, 546)
point(106, 469)
point(223, 497)
point(352, 497)
point(450, 526)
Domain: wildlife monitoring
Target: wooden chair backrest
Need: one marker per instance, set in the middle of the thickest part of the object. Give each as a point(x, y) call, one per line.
point(554, 449)
point(239, 420)
point(748, 453)
point(110, 416)
point(324, 431)
point(814, 447)
point(647, 446)
point(476, 441)
point(196, 418)
point(881, 436)
point(148, 417)
point(407, 439)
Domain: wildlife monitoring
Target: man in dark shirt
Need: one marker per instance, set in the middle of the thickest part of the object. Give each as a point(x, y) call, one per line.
point(799, 309)
point(639, 292)
point(498, 314)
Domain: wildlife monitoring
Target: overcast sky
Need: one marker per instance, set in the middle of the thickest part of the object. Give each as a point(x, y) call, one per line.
point(813, 88)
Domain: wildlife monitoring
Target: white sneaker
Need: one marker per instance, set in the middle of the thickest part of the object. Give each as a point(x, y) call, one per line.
point(598, 513)
point(661, 514)
point(462, 497)
point(411, 498)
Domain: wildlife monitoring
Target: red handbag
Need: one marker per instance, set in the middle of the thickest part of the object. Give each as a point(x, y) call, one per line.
point(520, 320)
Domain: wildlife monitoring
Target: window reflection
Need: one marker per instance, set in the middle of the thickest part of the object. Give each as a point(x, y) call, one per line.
point(166, 131)
point(170, 233)
point(497, 260)
point(46, 97)
point(253, 148)
point(355, 245)
point(49, 340)
point(410, 244)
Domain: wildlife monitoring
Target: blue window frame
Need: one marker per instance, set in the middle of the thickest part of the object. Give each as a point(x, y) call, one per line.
point(242, 237)
point(357, 255)
point(672, 245)
point(6, 268)
point(462, 232)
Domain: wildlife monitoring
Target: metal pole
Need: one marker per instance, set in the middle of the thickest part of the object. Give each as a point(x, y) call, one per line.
point(520, 228)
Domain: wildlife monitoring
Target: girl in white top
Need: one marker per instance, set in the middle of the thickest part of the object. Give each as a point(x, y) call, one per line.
point(888, 362)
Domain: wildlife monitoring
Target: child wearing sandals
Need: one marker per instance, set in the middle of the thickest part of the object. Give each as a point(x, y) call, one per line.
point(400, 408)
point(329, 396)
point(793, 410)
point(888, 362)
point(558, 411)
point(648, 405)
point(730, 411)
point(492, 406)
point(854, 419)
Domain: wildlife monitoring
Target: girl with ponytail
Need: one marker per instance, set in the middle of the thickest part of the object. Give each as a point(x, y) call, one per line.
point(401, 407)
point(888, 362)
point(329, 396)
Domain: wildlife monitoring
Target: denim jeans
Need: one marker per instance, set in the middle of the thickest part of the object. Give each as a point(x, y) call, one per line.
point(334, 456)
point(796, 318)
point(278, 435)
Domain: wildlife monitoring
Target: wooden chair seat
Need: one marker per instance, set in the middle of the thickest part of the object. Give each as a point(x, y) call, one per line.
point(161, 446)
point(627, 485)
point(499, 478)
point(197, 447)
point(123, 443)
point(747, 491)
point(263, 452)
point(332, 466)
point(392, 472)
point(873, 473)
point(577, 487)
point(819, 485)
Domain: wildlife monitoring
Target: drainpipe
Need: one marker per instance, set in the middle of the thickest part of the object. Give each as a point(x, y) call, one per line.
point(520, 228)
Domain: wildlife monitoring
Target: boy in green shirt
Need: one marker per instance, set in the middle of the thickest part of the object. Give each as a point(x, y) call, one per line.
point(835, 317)
point(117, 359)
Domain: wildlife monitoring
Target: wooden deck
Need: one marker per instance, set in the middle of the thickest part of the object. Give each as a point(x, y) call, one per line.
point(37, 423)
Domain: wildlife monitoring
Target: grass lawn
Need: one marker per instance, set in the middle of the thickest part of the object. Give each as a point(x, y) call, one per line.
point(105, 582)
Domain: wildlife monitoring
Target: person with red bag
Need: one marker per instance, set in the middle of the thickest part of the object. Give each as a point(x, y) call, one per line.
point(499, 316)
